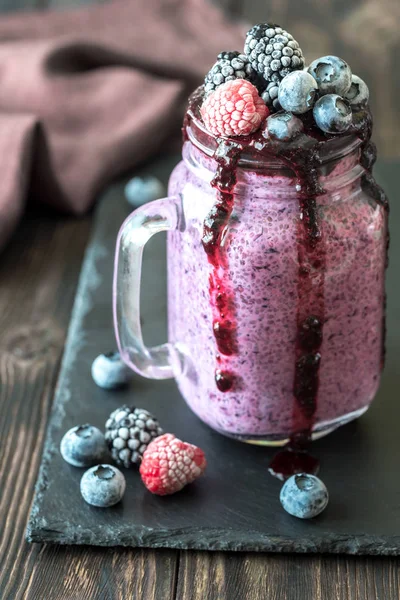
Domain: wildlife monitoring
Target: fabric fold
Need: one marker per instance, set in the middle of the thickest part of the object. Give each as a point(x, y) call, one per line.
point(88, 93)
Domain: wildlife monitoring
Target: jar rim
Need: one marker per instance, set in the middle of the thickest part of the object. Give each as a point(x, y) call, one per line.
point(333, 149)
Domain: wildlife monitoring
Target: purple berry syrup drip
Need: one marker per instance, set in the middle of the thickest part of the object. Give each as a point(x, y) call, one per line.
point(215, 228)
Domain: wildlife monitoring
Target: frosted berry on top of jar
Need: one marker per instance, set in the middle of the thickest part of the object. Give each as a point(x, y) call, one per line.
point(242, 90)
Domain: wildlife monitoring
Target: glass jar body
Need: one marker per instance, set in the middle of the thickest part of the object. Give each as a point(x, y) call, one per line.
point(261, 245)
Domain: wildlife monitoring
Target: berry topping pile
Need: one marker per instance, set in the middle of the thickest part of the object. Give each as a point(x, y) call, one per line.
point(169, 464)
point(241, 90)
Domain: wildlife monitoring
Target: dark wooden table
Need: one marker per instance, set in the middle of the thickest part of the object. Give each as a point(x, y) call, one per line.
point(38, 276)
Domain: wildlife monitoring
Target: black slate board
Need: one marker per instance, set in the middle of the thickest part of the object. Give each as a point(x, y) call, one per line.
point(236, 505)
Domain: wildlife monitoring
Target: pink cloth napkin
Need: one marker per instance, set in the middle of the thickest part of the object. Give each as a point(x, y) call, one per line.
point(87, 94)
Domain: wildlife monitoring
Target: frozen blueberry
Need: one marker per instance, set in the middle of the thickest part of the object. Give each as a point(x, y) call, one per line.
point(332, 74)
point(83, 446)
point(297, 92)
point(283, 126)
point(332, 114)
point(110, 372)
point(103, 485)
point(140, 190)
point(358, 94)
point(304, 496)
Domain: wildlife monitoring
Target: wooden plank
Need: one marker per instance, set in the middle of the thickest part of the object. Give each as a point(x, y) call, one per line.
point(366, 578)
point(38, 274)
point(247, 576)
point(257, 577)
point(63, 573)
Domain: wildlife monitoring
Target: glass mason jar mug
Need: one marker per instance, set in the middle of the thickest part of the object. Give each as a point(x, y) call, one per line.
point(267, 338)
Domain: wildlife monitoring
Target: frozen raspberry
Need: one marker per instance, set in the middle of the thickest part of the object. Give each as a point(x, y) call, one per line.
point(235, 108)
point(169, 464)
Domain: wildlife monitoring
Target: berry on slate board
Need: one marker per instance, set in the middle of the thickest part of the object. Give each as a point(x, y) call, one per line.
point(332, 114)
point(169, 464)
point(128, 433)
point(332, 74)
point(110, 372)
point(304, 496)
point(272, 51)
point(358, 94)
point(83, 446)
point(229, 66)
point(103, 486)
point(234, 109)
point(283, 126)
point(140, 190)
point(297, 92)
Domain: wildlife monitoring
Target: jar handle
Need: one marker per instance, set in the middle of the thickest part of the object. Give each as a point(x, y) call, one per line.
point(159, 362)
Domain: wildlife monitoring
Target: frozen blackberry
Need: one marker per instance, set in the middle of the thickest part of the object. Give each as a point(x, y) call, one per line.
point(272, 52)
point(270, 96)
point(128, 433)
point(229, 66)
